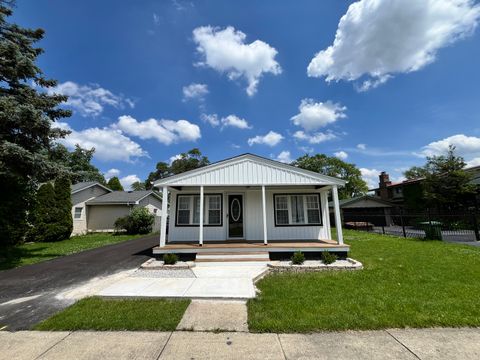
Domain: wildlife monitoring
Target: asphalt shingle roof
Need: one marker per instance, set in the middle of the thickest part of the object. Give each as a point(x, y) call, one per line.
point(83, 185)
point(358, 198)
point(120, 197)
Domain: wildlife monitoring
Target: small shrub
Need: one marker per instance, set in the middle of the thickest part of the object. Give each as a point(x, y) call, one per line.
point(139, 221)
point(121, 224)
point(170, 259)
point(298, 258)
point(328, 257)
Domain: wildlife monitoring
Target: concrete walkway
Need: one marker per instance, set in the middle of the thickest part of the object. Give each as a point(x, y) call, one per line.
point(208, 281)
point(390, 344)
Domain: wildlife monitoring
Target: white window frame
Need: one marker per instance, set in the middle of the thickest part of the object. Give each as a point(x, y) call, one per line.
point(75, 213)
point(305, 209)
point(206, 209)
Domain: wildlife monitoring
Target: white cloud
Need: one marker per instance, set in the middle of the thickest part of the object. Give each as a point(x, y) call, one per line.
point(111, 173)
point(226, 52)
point(235, 121)
point(342, 155)
point(314, 115)
point(173, 158)
point(370, 176)
point(361, 146)
point(211, 119)
point(164, 131)
point(466, 146)
point(181, 5)
point(128, 180)
point(195, 91)
point(315, 138)
point(306, 149)
point(270, 139)
point(109, 143)
point(284, 157)
point(90, 100)
point(376, 39)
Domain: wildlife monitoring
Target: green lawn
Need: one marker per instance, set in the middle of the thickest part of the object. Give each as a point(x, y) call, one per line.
point(404, 283)
point(32, 253)
point(107, 314)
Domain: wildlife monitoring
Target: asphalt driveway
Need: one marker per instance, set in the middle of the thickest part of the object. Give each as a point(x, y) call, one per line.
point(27, 294)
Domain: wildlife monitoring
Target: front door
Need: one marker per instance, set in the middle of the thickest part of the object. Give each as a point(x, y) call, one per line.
point(235, 216)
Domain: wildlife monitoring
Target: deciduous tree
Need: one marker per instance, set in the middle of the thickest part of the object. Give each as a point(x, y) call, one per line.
point(189, 160)
point(333, 166)
point(447, 185)
point(114, 184)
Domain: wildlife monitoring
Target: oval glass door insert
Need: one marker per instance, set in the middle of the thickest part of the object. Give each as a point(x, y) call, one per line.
point(235, 210)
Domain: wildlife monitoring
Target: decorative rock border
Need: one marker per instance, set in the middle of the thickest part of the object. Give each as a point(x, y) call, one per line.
point(154, 264)
point(315, 265)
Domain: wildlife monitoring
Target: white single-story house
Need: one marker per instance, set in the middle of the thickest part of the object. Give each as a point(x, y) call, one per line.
point(249, 203)
point(95, 207)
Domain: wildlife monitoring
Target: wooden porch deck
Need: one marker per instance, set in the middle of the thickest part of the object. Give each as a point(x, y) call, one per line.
point(253, 246)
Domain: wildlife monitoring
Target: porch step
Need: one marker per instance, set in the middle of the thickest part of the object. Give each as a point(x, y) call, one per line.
point(232, 256)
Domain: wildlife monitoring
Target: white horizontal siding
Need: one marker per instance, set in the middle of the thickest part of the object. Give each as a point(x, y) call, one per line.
point(190, 233)
point(253, 226)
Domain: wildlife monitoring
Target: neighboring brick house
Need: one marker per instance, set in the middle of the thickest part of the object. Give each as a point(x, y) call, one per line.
point(398, 192)
point(95, 207)
point(393, 192)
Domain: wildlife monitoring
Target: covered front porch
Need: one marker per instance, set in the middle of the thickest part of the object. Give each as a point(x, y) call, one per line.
point(249, 204)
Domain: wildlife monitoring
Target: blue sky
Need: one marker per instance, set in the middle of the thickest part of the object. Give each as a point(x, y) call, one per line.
point(393, 82)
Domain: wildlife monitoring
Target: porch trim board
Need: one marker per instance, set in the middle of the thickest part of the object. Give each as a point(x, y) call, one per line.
point(304, 246)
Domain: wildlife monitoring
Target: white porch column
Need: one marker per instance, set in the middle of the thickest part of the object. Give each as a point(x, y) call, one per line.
point(338, 218)
point(163, 223)
point(264, 210)
point(200, 235)
point(326, 213)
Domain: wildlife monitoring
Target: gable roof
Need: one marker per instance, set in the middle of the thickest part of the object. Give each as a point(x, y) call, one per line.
point(85, 185)
point(354, 200)
point(248, 169)
point(122, 197)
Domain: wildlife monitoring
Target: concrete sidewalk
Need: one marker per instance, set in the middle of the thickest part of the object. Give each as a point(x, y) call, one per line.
point(441, 343)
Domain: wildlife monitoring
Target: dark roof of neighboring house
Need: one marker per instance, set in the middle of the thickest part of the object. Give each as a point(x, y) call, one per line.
point(400, 183)
point(122, 197)
point(359, 198)
point(475, 180)
point(85, 185)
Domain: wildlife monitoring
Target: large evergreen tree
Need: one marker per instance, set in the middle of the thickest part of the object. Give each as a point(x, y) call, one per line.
point(43, 214)
point(63, 208)
point(27, 113)
point(333, 166)
point(114, 184)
